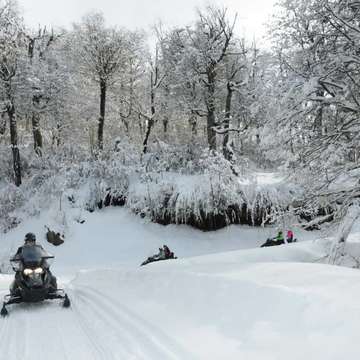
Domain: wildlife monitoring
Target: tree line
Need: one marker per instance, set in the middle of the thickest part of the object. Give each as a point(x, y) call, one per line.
point(294, 102)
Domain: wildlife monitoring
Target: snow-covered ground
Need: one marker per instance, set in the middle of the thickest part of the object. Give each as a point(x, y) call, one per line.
point(224, 298)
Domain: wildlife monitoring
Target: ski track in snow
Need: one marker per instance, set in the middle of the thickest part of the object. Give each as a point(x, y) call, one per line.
point(45, 329)
point(117, 312)
point(96, 347)
point(95, 327)
point(128, 328)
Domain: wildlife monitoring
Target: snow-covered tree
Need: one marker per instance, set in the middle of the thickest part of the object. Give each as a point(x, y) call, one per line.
point(316, 46)
point(12, 47)
point(210, 43)
point(100, 51)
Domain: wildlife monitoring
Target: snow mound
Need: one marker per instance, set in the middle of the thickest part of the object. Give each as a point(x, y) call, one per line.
point(224, 299)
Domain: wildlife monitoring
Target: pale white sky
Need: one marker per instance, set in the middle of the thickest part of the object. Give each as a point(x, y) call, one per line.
point(134, 14)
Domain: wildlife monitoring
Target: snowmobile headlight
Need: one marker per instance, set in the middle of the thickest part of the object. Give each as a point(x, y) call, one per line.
point(38, 270)
point(28, 272)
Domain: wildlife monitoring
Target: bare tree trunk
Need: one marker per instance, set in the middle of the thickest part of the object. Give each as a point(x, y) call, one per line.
point(125, 116)
point(102, 114)
point(27, 123)
point(165, 126)
point(150, 122)
point(125, 121)
point(38, 141)
point(193, 126)
point(318, 122)
point(149, 125)
point(58, 134)
point(59, 129)
point(2, 123)
point(35, 122)
point(210, 103)
point(14, 143)
point(228, 154)
point(141, 128)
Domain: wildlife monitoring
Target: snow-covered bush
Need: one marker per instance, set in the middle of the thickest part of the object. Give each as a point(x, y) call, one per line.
point(168, 185)
point(11, 198)
point(47, 179)
point(212, 197)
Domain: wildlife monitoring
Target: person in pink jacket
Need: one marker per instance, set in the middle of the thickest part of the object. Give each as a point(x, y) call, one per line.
point(289, 236)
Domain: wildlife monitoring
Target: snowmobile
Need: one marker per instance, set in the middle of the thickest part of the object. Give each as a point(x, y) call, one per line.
point(33, 279)
point(157, 257)
point(272, 242)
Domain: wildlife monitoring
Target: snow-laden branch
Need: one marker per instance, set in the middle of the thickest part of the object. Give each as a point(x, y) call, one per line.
point(352, 214)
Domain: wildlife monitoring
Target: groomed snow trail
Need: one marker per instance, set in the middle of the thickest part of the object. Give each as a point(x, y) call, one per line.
point(95, 327)
point(252, 304)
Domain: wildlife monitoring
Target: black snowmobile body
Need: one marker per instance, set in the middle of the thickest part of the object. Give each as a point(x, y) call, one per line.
point(273, 242)
point(33, 279)
point(157, 258)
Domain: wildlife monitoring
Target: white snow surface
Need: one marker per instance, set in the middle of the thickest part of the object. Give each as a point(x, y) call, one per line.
point(224, 298)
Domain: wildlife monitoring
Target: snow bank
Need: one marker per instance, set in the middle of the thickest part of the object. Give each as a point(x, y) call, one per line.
point(224, 298)
point(210, 201)
point(215, 309)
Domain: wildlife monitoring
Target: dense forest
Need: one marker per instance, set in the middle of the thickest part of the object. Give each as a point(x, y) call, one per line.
point(177, 131)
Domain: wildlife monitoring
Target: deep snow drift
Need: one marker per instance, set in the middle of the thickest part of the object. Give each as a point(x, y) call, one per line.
point(225, 298)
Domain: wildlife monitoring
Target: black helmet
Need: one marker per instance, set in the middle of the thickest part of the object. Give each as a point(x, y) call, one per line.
point(30, 237)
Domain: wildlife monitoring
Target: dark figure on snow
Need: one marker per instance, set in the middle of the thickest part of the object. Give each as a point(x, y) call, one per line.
point(30, 240)
point(163, 254)
point(277, 240)
point(167, 252)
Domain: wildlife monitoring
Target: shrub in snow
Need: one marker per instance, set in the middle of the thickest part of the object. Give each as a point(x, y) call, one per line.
point(11, 198)
point(169, 185)
point(210, 199)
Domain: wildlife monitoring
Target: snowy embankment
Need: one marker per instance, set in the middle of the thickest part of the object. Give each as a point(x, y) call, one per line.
point(224, 299)
point(211, 200)
point(204, 193)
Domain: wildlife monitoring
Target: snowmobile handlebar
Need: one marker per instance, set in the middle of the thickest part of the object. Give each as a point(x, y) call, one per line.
point(19, 258)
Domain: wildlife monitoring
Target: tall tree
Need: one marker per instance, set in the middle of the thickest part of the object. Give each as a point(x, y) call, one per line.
point(38, 47)
point(320, 59)
point(100, 51)
point(12, 46)
point(211, 40)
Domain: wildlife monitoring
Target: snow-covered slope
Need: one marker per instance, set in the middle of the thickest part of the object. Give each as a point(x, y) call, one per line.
point(224, 299)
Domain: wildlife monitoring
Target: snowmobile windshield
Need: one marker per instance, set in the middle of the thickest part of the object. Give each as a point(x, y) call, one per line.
point(34, 255)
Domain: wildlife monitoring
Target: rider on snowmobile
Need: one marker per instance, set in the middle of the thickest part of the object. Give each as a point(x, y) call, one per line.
point(30, 240)
point(167, 252)
point(279, 237)
point(164, 253)
point(160, 255)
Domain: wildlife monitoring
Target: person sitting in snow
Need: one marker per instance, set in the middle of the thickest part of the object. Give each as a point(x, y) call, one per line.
point(279, 239)
point(289, 236)
point(161, 254)
point(167, 252)
point(164, 253)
